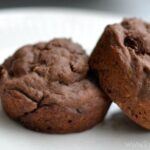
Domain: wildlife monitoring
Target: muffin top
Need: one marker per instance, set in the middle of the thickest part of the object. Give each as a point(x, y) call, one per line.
point(45, 74)
point(58, 60)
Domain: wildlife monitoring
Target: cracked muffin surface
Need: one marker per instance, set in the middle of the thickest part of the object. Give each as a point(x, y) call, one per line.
point(47, 87)
point(121, 59)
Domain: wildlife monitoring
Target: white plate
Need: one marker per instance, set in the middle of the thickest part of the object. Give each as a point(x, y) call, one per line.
point(22, 26)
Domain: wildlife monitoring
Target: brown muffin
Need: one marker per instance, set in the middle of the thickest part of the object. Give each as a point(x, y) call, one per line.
point(47, 88)
point(121, 59)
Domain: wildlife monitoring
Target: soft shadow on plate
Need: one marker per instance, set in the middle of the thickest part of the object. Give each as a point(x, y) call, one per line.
point(118, 122)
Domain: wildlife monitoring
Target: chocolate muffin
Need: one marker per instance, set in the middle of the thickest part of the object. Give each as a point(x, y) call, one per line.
point(47, 87)
point(121, 59)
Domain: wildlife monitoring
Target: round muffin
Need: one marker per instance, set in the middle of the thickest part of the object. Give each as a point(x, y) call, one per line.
point(121, 59)
point(47, 87)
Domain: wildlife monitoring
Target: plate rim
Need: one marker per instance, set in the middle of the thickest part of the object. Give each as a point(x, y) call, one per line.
point(47, 9)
